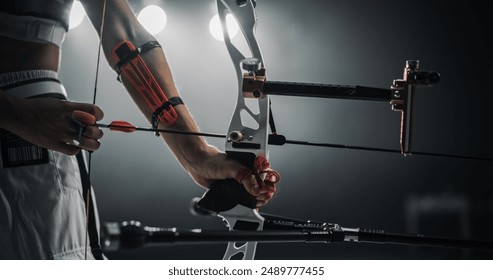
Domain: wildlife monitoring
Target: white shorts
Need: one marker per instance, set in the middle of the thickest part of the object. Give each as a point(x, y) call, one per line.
point(42, 209)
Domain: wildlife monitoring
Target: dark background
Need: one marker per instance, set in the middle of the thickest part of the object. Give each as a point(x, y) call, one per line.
point(338, 42)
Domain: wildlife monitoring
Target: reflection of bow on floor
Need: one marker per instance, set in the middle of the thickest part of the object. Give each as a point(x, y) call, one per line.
point(229, 200)
point(132, 234)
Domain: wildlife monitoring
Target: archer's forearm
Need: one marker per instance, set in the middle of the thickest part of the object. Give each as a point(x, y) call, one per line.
point(120, 24)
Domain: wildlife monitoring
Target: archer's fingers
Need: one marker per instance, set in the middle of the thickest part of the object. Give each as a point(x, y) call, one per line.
point(93, 132)
point(86, 133)
point(89, 144)
point(67, 149)
point(91, 109)
point(264, 198)
point(267, 188)
point(251, 185)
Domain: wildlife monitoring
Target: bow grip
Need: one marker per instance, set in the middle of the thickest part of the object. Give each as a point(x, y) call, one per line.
point(224, 195)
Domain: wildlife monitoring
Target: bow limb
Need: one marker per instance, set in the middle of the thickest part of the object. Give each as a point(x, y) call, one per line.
point(228, 198)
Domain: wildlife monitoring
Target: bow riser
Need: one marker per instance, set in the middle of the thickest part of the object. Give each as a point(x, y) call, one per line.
point(254, 139)
point(244, 143)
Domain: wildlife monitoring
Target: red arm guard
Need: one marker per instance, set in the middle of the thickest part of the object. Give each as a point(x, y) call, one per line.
point(136, 71)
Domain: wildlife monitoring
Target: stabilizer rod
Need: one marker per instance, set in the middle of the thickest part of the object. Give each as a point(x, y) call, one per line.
point(132, 234)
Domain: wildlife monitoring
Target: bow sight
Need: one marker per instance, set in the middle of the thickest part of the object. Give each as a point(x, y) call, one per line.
point(400, 95)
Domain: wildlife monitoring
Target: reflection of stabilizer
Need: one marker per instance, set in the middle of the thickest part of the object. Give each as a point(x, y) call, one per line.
point(132, 234)
point(134, 68)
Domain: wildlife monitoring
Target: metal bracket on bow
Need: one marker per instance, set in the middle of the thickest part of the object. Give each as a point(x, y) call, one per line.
point(402, 99)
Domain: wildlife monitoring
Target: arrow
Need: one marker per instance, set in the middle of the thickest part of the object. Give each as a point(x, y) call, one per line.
point(274, 139)
point(124, 126)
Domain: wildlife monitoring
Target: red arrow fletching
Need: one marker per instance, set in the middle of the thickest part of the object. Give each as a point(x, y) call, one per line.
point(122, 126)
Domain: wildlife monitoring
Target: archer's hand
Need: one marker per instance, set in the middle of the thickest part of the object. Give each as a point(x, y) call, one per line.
point(218, 165)
point(261, 188)
point(48, 123)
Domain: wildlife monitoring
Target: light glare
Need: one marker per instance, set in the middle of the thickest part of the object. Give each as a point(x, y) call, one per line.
point(217, 31)
point(153, 18)
point(77, 14)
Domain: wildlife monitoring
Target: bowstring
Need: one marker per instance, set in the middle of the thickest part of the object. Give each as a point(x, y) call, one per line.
point(88, 195)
